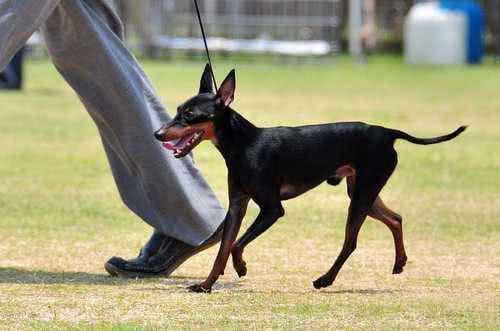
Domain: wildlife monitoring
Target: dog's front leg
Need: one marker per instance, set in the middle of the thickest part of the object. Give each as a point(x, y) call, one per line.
point(266, 218)
point(238, 203)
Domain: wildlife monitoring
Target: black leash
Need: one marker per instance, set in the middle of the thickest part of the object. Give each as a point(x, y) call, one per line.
point(205, 42)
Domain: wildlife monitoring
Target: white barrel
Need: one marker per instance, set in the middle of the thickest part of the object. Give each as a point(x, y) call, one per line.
point(433, 35)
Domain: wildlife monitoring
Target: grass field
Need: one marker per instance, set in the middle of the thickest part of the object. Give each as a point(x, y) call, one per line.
point(61, 217)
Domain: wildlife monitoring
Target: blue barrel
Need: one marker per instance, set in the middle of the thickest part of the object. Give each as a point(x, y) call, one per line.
point(476, 25)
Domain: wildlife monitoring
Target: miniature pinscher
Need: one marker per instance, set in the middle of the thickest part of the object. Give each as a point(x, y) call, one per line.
point(269, 165)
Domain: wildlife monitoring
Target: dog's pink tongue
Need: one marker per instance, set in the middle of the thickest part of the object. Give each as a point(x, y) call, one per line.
point(176, 144)
point(169, 146)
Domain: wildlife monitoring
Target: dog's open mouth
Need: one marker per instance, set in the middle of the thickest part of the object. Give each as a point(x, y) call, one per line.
point(183, 145)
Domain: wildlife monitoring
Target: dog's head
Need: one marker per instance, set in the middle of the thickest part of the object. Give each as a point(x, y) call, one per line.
point(194, 121)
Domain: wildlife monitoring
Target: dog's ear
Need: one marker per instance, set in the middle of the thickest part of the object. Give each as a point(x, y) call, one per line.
point(206, 83)
point(226, 91)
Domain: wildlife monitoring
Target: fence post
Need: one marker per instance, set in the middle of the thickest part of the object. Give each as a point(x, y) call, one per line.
point(355, 26)
point(210, 12)
point(144, 27)
point(235, 12)
point(369, 33)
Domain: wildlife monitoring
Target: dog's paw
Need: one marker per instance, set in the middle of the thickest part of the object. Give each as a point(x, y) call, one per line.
point(238, 263)
point(399, 266)
point(322, 282)
point(241, 269)
point(199, 288)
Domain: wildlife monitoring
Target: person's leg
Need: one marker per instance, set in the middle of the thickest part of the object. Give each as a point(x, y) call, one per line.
point(18, 20)
point(12, 77)
point(84, 41)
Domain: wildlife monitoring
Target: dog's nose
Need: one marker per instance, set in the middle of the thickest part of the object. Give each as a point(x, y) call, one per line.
point(158, 135)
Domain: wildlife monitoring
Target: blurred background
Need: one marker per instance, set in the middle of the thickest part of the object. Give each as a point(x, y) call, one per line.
point(295, 31)
point(307, 28)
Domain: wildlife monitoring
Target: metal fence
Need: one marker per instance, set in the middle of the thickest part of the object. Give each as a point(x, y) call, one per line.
point(298, 27)
point(313, 26)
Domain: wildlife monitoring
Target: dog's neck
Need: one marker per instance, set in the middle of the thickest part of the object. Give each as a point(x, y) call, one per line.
point(233, 133)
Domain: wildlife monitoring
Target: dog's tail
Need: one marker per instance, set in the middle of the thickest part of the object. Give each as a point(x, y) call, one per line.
point(396, 134)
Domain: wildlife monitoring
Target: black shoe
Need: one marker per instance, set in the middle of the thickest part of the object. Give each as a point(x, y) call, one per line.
point(170, 255)
point(117, 266)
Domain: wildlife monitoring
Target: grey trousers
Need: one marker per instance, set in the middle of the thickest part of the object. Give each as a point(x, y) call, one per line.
point(84, 38)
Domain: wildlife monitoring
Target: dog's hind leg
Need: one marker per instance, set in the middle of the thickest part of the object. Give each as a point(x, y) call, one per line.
point(392, 220)
point(395, 223)
point(367, 184)
point(268, 215)
point(358, 210)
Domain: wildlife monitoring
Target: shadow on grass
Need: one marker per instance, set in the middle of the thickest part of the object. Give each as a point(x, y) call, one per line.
point(173, 283)
point(374, 291)
point(23, 276)
point(176, 283)
point(361, 291)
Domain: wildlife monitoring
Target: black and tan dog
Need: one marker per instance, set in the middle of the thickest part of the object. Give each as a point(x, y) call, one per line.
point(269, 165)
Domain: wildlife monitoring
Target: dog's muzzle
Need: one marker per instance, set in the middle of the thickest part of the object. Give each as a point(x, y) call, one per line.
point(179, 139)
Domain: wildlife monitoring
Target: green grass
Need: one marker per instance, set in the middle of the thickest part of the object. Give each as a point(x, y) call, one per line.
point(61, 216)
